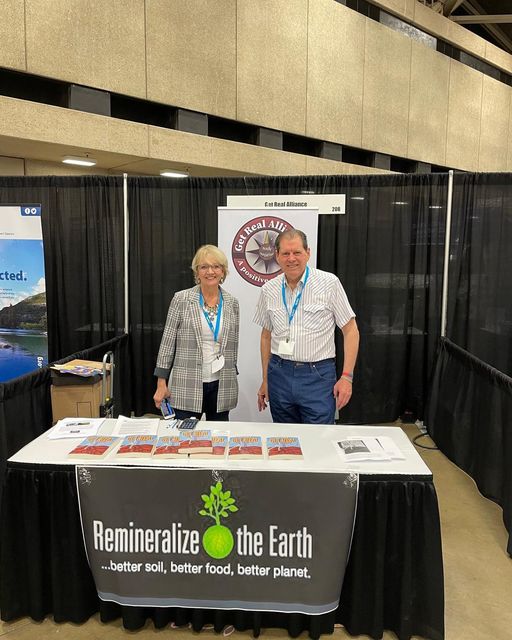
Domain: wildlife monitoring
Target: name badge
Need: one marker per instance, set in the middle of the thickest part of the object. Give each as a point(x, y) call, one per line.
point(217, 364)
point(286, 347)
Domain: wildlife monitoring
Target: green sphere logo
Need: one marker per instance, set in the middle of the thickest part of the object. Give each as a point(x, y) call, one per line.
point(218, 541)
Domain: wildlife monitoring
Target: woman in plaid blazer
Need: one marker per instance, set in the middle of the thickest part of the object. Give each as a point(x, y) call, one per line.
point(196, 364)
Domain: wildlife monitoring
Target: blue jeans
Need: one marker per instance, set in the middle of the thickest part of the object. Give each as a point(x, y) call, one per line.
point(210, 393)
point(301, 392)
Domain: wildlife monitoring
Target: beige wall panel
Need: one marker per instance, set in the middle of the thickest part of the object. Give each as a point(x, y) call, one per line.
point(12, 166)
point(465, 39)
point(464, 111)
point(386, 90)
point(410, 8)
point(187, 148)
point(494, 125)
point(335, 73)
point(271, 63)
point(498, 57)
point(428, 109)
point(191, 51)
point(30, 120)
point(397, 7)
point(97, 43)
point(509, 145)
point(430, 21)
point(12, 34)
point(401, 8)
point(323, 167)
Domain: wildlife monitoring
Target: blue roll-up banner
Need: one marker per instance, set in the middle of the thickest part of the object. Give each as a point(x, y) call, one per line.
point(23, 321)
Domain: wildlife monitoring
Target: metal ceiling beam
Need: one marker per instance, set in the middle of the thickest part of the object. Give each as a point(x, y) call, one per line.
point(450, 6)
point(475, 8)
point(483, 19)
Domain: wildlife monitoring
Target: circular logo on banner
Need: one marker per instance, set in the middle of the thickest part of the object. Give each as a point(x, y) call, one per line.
point(254, 249)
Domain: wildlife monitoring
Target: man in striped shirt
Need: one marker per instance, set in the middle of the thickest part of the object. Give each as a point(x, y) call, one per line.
point(298, 313)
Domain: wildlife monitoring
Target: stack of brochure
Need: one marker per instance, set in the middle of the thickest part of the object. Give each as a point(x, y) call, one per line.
point(356, 448)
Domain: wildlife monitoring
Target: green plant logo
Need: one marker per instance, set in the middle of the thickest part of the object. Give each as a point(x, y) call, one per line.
point(218, 540)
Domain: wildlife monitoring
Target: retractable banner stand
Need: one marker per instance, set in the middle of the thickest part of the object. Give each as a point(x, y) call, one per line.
point(23, 322)
point(247, 237)
point(223, 539)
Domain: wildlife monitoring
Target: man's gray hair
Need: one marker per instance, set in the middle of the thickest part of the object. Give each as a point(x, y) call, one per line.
point(290, 234)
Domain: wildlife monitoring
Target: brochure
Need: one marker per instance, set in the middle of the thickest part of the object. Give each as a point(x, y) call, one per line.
point(361, 448)
point(284, 448)
point(195, 442)
point(245, 447)
point(139, 446)
point(75, 428)
point(94, 447)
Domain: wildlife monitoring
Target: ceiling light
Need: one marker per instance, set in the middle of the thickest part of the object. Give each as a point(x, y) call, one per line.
point(79, 161)
point(400, 203)
point(435, 206)
point(171, 173)
point(357, 197)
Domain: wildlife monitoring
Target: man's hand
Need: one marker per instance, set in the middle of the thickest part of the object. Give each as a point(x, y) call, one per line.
point(342, 392)
point(263, 397)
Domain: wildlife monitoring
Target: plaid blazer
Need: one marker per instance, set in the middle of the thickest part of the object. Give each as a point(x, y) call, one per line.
point(181, 352)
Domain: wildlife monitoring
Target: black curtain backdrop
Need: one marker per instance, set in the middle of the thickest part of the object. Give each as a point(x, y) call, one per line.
point(25, 402)
point(387, 251)
point(480, 301)
point(394, 576)
point(469, 417)
point(82, 223)
point(470, 405)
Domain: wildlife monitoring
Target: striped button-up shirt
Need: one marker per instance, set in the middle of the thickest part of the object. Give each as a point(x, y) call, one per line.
point(323, 305)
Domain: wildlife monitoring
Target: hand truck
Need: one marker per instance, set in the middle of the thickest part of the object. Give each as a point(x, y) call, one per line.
point(107, 401)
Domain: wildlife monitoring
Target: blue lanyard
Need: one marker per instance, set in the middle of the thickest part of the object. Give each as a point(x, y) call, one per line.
point(297, 299)
point(207, 317)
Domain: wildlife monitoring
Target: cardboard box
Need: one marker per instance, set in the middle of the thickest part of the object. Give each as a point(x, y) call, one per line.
point(77, 396)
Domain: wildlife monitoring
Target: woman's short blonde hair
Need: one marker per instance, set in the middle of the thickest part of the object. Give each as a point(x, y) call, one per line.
point(209, 251)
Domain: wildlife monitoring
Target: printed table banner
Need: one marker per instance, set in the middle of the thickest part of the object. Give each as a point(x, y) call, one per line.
point(230, 539)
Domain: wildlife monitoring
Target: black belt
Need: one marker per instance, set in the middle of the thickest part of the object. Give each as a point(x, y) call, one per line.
point(295, 363)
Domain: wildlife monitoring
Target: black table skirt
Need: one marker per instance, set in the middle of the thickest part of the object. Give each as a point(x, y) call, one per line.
point(394, 578)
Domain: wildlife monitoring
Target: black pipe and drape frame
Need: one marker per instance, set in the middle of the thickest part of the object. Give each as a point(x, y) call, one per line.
point(387, 250)
point(469, 411)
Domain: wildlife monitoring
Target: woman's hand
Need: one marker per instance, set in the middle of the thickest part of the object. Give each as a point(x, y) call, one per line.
point(161, 392)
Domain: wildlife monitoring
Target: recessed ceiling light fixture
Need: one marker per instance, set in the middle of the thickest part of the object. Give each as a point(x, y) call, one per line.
point(400, 203)
point(357, 197)
point(171, 173)
point(79, 161)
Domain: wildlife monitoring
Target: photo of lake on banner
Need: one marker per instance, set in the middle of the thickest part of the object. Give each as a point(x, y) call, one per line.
point(21, 351)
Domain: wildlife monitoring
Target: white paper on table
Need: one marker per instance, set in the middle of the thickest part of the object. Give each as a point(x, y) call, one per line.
point(136, 426)
point(75, 428)
point(360, 448)
point(390, 447)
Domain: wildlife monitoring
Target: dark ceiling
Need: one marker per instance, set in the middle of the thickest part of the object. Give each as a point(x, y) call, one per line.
point(490, 19)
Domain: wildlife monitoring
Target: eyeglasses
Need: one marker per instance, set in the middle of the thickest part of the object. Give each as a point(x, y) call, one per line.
point(203, 268)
